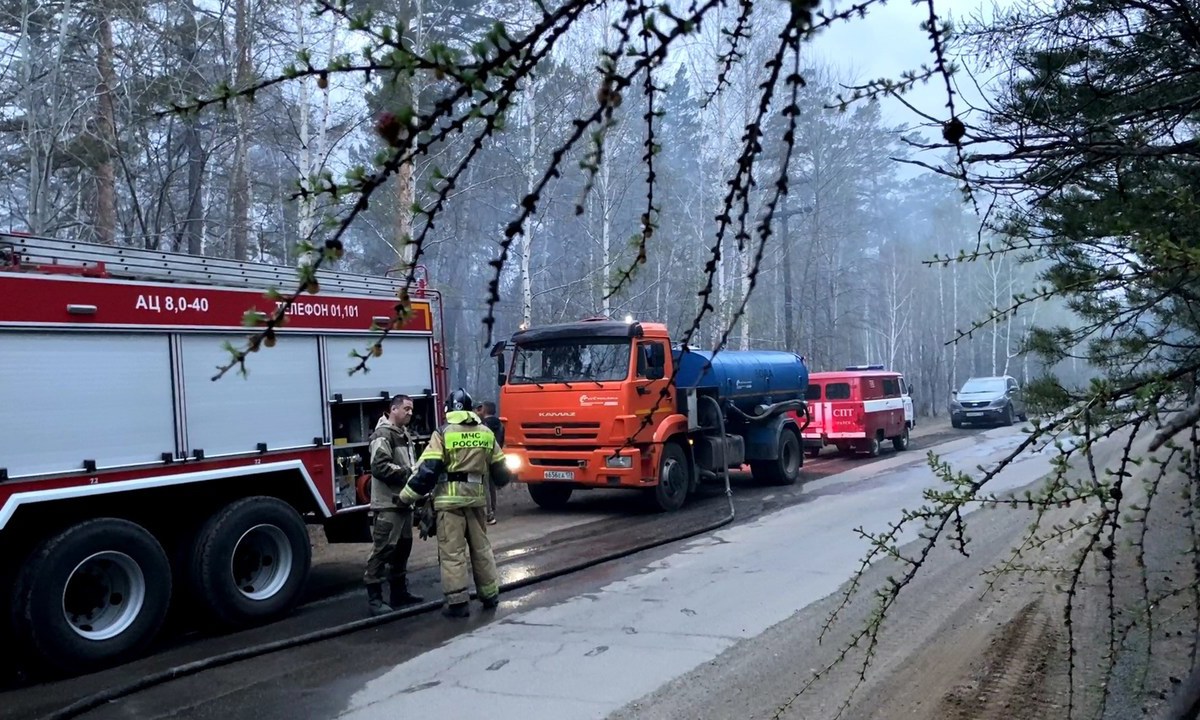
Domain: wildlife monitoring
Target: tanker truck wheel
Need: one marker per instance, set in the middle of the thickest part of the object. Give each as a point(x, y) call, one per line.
point(785, 468)
point(674, 480)
point(550, 496)
point(91, 596)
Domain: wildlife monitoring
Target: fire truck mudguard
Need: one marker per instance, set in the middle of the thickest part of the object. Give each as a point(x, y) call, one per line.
point(45, 496)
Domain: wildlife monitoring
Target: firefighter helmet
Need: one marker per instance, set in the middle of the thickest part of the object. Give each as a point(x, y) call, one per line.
point(459, 400)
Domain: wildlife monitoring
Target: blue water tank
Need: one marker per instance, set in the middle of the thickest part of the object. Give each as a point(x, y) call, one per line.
point(747, 377)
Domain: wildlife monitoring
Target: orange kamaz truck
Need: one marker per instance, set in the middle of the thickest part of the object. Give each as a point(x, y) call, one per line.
point(610, 404)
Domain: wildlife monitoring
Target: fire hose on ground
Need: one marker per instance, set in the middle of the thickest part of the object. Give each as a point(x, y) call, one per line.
point(146, 682)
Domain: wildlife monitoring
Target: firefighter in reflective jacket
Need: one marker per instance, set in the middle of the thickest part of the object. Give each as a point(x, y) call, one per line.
point(456, 466)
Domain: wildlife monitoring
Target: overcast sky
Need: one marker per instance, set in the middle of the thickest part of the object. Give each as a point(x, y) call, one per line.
point(889, 41)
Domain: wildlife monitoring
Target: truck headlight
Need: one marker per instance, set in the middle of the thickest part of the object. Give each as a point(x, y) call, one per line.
point(512, 462)
point(620, 461)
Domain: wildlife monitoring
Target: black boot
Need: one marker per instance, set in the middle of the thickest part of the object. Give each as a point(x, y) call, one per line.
point(490, 603)
point(400, 596)
point(457, 610)
point(375, 601)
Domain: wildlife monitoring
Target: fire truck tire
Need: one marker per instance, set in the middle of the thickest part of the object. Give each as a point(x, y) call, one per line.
point(873, 447)
point(550, 496)
point(93, 595)
point(250, 561)
point(900, 442)
point(784, 469)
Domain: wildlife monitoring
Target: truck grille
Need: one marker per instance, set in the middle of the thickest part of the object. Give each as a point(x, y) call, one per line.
point(543, 432)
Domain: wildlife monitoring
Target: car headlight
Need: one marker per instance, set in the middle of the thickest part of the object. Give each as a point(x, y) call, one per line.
point(620, 461)
point(512, 462)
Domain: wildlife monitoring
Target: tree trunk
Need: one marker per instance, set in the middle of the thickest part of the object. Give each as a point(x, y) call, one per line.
point(106, 134)
point(240, 184)
point(304, 212)
point(789, 327)
point(605, 237)
point(193, 226)
point(406, 180)
point(530, 182)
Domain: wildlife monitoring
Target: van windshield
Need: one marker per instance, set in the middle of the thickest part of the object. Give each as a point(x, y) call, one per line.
point(984, 385)
point(571, 360)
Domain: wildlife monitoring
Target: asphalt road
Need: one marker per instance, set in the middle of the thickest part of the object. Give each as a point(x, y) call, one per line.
point(319, 680)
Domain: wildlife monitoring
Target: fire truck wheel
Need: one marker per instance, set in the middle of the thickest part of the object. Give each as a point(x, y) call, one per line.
point(674, 480)
point(93, 595)
point(550, 496)
point(873, 447)
point(783, 470)
point(250, 561)
point(901, 442)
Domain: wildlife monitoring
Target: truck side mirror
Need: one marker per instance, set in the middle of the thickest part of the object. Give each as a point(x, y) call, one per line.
point(498, 353)
point(657, 358)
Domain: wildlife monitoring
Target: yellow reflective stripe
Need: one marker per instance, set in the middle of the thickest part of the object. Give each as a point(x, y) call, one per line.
point(429, 454)
point(469, 439)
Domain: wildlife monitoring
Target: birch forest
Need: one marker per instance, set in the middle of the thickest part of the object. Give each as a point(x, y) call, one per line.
point(92, 151)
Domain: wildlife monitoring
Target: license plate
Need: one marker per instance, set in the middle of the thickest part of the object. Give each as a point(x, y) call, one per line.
point(559, 475)
point(974, 414)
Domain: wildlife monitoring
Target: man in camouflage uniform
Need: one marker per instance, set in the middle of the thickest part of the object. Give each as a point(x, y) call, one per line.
point(392, 522)
point(456, 466)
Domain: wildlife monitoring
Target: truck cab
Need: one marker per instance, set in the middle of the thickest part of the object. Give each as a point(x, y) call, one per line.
point(606, 403)
point(574, 394)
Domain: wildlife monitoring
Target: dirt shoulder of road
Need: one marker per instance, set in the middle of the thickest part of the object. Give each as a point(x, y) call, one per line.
point(951, 649)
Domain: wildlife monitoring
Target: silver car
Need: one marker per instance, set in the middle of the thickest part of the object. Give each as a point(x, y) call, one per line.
point(988, 400)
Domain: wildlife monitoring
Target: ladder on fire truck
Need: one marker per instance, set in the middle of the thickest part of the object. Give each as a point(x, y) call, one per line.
point(131, 263)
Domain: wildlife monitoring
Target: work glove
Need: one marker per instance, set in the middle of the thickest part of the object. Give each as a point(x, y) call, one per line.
point(426, 519)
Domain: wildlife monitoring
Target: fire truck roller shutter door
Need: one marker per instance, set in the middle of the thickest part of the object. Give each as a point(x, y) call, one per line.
point(92, 595)
point(234, 414)
point(405, 367)
point(116, 385)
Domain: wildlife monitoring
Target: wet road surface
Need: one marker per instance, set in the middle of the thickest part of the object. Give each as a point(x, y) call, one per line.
point(317, 680)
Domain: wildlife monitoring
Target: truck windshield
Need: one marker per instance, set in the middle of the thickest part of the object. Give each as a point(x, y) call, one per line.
point(571, 360)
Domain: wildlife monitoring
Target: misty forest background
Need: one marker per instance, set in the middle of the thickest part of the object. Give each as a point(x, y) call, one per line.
point(88, 153)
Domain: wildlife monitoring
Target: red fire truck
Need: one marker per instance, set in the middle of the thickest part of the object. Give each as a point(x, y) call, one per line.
point(857, 409)
point(131, 482)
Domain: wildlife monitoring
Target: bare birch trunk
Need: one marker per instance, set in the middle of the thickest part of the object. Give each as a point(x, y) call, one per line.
point(304, 220)
point(527, 229)
point(106, 134)
point(240, 183)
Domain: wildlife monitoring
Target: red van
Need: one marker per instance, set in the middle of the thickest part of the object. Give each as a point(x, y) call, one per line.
point(857, 409)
